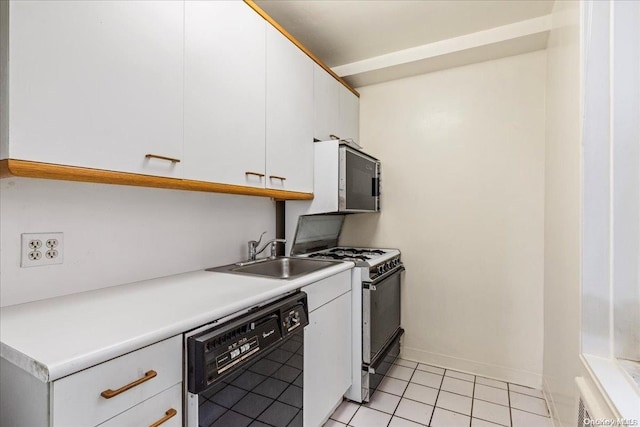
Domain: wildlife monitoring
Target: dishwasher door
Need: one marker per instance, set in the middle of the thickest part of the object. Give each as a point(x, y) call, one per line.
point(268, 390)
point(249, 371)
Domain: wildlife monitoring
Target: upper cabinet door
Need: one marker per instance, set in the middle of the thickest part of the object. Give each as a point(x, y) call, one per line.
point(97, 84)
point(289, 124)
point(224, 93)
point(326, 102)
point(349, 115)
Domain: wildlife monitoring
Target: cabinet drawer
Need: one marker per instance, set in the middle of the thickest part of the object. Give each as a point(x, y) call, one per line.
point(78, 399)
point(166, 406)
point(323, 291)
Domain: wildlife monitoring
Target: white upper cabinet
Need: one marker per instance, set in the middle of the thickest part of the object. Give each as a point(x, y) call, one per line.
point(336, 108)
point(224, 104)
point(97, 84)
point(326, 100)
point(349, 115)
point(289, 139)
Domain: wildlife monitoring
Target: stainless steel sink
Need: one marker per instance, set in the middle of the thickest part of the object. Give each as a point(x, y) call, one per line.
point(277, 268)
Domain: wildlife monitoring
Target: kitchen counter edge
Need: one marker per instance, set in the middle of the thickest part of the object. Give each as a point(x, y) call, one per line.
point(19, 348)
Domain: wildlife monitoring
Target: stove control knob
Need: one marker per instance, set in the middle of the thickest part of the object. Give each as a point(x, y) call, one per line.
point(388, 265)
point(380, 269)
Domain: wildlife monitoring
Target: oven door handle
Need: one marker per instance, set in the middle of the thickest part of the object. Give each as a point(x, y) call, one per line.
point(372, 285)
point(379, 358)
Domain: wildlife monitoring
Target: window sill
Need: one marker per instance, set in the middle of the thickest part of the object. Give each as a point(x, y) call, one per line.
point(620, 391)
point(632, 368)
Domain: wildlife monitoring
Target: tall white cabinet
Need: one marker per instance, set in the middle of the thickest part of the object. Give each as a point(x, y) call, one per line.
point(97, 84)
point(327, 347)
point(289, 141)
point(224, 100)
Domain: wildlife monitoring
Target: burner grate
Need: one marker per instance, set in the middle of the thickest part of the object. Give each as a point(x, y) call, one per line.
point(340, 256)
point(357, 251)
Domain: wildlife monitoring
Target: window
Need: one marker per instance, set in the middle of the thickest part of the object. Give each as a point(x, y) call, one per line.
point(611, 183)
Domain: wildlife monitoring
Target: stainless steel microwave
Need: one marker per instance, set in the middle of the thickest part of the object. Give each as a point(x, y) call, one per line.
point(359, 180)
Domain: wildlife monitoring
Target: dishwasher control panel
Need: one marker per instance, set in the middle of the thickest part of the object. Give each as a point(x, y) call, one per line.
point(215, 353)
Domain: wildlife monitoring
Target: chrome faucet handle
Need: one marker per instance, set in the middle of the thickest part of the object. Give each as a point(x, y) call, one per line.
point(252, 246)
point(260, 239)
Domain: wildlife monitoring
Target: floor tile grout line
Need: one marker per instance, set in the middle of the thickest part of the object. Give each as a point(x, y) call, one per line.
point(473, 397)
point(489, 401)
point(407, 419)
point(402, 395)
point(440, 407)
point(354, 413)
point(437, 396)
point(509, 398)
point(532, 413)
point(528, 395)
point(492, 386)
point(489, 421)
point(456, 378)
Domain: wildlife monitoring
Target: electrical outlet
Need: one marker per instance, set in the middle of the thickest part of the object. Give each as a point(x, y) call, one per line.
point(41, 249)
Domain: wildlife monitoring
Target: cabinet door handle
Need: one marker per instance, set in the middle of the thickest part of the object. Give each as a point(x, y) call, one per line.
point(108, 394)
point(334, 137)
point(155, 156)
point(258, 174)
point(281, 178)
point(167, 415)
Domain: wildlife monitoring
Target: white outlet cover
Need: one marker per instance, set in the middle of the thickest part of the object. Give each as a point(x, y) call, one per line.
point(40, 240)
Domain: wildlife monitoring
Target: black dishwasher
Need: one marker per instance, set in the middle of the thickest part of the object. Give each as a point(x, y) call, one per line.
point(248, 371)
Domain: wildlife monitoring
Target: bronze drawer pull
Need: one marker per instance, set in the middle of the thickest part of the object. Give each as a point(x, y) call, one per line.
point(169, 414)
point(155, 156)
point(254, 173)
point(335, 138)
point(281, 178)
point(108, 394)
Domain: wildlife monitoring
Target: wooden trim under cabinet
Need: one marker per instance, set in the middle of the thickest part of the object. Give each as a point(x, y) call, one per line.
point(27, 169)
point(302, 47)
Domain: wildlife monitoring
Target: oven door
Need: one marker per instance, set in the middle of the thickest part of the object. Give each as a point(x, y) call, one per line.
point(380, 314)
point(359, 183)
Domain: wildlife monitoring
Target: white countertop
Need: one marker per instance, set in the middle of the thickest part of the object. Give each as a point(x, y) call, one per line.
point(59, 336)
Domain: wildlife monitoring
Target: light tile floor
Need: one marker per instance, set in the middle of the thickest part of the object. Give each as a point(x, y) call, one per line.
point(413, 394)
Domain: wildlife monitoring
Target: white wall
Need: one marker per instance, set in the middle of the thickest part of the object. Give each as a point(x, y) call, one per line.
point(462, 196)
point(562, 213)
point(116, 234)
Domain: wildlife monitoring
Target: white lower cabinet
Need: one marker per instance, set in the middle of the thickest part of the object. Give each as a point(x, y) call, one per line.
point(327, 352)
point(94, 395)
point(139, 388)
point(164, 410)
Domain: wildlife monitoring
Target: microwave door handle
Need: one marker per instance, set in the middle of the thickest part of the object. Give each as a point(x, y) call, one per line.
point(375, 187)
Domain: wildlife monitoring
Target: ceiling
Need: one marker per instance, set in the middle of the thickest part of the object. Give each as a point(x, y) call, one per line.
point(345, 31)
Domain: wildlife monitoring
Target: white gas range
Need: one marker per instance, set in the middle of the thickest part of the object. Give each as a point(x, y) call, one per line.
point(375, 285)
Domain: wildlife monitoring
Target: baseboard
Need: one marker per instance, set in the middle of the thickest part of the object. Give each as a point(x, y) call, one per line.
point(546, 391)
point(502, 373)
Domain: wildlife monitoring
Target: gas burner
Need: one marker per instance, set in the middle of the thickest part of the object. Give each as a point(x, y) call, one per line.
point(358, 251)
point(340, 255)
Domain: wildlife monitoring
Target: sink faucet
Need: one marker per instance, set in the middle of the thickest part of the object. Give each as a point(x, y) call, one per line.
point(253, 247)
